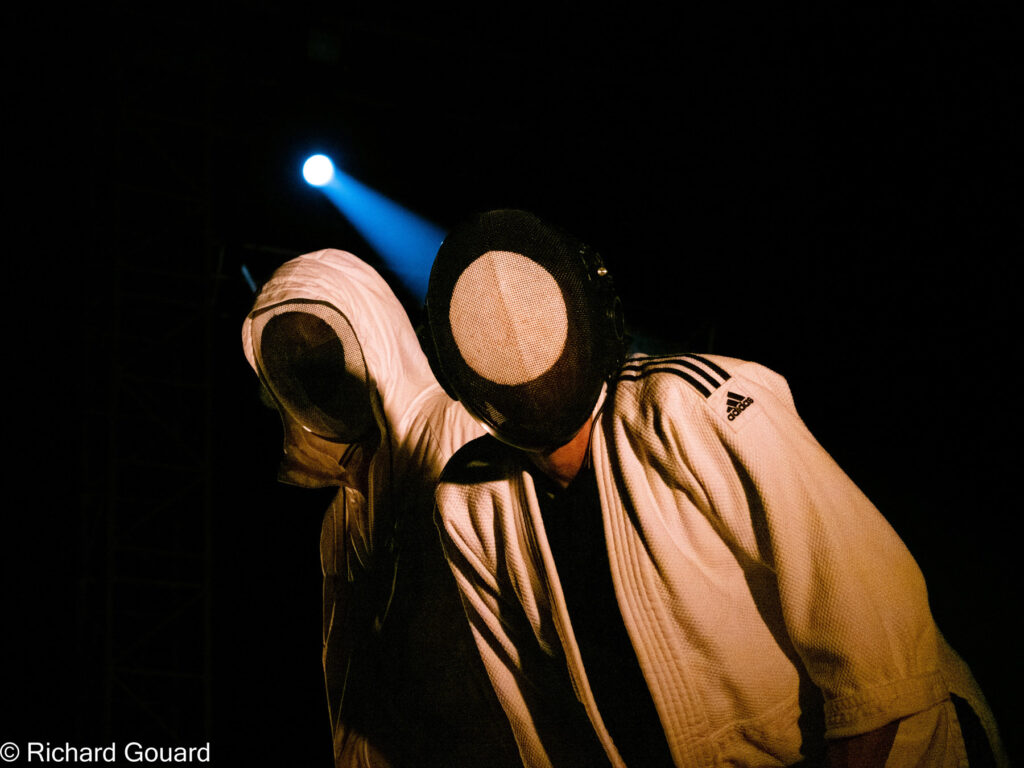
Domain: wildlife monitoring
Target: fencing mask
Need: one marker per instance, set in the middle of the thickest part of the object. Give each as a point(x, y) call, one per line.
point(526, 325)
point(309, 358)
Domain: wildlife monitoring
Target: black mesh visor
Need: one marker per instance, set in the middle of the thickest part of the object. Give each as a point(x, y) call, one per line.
point(311, 361)
point(520, 327)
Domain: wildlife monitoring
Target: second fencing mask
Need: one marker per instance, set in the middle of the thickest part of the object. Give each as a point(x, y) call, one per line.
point(310, 359)
point(526, 325)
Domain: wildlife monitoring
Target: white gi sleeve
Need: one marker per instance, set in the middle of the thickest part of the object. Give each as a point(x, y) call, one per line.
point(853, 599)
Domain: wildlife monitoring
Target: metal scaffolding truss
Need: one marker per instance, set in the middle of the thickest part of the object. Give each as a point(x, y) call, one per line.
point(145, 596)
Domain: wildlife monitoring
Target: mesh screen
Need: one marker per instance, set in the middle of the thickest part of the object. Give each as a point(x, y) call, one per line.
point(521, 333)
point(520, 327)
point(311, 361)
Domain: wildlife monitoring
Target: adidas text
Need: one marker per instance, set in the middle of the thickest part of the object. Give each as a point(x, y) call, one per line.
point(737, 404)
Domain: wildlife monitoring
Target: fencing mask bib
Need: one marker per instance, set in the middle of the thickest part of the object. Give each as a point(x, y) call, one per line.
point(310, 359)
point(526, 326)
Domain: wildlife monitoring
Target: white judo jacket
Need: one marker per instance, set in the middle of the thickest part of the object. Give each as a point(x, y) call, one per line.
point(748, 568)
point(407, 669)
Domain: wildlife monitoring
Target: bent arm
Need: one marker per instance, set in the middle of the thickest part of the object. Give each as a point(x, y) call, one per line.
point(349, 607)
point(852, 599)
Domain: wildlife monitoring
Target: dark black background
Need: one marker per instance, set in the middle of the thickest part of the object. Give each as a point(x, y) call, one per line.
point(831, 192)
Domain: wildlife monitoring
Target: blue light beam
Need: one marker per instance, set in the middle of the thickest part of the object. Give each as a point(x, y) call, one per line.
point(406, 242)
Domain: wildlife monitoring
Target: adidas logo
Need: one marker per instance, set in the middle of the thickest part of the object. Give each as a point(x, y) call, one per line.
point(736, 404)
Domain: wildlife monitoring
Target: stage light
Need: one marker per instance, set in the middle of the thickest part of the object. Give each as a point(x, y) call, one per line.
point(318, 170)
point(404, 240)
